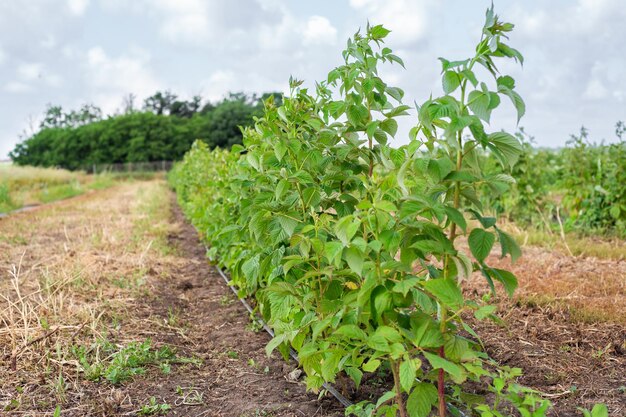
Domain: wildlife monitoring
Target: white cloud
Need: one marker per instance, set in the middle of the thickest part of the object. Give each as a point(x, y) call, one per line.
point(17, 87)
point(77, 7)
point(29, 71)
point(36, 73)
point(221, 82)
point(49, 42)
point(319, 30)
point(110, 78)
point(408, 19)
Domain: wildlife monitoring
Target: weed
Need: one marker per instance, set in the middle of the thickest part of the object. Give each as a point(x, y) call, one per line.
point(104, 360)
point(154, 408)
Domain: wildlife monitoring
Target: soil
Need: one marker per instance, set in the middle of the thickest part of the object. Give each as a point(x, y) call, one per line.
point(236, 378)
point(175, 298)
point(564, 328)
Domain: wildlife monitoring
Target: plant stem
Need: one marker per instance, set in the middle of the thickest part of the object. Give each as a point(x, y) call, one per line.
point(440, 388)
point(395, 370)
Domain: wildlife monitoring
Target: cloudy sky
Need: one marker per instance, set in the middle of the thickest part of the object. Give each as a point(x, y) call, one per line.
point(71, 52)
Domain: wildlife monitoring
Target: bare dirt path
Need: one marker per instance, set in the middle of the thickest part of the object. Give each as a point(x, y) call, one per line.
point(108, 308)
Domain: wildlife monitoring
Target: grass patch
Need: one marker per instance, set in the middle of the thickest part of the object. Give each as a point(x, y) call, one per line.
point(60, 192)
point(152, 224)
point(596, 246)
point(104, 360)
point(586, 315)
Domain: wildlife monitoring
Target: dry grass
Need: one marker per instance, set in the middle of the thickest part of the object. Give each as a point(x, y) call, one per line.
point(22, 186)
point(25, 176)
point(573, 244)
point(69, 274)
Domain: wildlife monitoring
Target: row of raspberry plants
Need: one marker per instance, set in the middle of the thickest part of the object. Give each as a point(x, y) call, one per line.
point(349, 246)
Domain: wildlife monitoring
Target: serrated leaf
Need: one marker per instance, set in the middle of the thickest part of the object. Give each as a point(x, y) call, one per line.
point(357, 114)
point(506, 147)
point(508, 280)
point(450, 81)
point(371, 365)
point(422, 399)
point(456, 217)
point(407, 374)
point(379, 32)
point(437, 362)
point(480, 243)
point(390, 126)
point(446, 291)
point(355, 259)
point(508, 245)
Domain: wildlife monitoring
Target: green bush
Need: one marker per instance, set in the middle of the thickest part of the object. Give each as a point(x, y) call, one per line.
point(350, 245)
point(134, 136)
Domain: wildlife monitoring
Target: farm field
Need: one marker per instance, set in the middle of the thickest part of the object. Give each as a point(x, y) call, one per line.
point(384, 239)
point(86, 282)
point(29, 186)
point(108, 305)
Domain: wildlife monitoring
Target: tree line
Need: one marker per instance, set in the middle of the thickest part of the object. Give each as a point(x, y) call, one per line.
point(162, 129)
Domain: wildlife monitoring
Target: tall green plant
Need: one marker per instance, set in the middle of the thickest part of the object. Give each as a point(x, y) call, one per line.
point(350, 246)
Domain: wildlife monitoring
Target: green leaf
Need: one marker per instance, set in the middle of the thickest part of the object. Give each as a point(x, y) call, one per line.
point(480, 243)
point(311, 196)
point(405, 285)
point(427, 333)
point(508, 280)
point(357, 114)
point(446, 291)
point(484, 311)
point(456, 217)
point(451, 81)
point(274, 343)
point(506, 147)
point(378, 32)
point(438, 362)
point(478, 102)
point(287, 223)
point(355, 259)
point(600, 410)
point(351, 331)
point(407, 374)
point(378, 342)
point(508, 245)
point(332, 251)
point(345, 229)
point(390, 126)
point(371, 365)
point(422, 399)
point(395, 92)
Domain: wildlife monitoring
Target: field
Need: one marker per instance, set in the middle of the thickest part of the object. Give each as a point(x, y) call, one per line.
point(86, 282)
point(108, 305)
point(29, 186)
point(299, 261)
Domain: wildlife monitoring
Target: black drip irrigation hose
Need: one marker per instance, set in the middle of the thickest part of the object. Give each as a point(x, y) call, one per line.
point(343, 400)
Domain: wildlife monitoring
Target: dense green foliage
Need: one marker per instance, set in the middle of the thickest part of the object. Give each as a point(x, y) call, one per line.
point(163, 130)
point(582, 185)
point(349, 245)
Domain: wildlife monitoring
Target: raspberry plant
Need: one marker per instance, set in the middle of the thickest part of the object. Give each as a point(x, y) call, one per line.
point(350, 246)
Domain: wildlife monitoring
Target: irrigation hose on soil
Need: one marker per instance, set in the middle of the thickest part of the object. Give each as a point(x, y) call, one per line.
point(343, 400)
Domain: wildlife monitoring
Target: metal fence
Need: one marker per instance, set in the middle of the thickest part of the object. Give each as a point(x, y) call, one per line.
point(153, 166)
